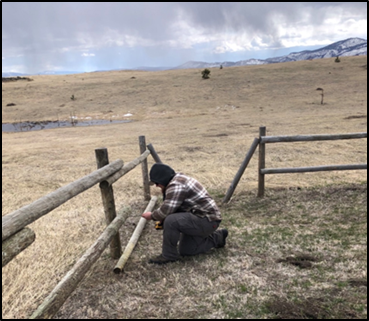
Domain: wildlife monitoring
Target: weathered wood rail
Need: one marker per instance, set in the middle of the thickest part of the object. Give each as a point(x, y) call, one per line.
point(13, 222)
point(16, 236)
point(69, 283)
point(300, 138)
point(262, 171)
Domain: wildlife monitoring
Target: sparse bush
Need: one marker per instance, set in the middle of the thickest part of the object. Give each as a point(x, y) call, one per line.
point(72, 97)
point(205, 73)
point(337, 59)
point(221, 67)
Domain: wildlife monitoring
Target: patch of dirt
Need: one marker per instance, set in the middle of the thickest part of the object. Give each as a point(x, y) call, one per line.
point(192, 149)
point(311, 308)
point(302, 260)
point(358, 282)
point(217, 135)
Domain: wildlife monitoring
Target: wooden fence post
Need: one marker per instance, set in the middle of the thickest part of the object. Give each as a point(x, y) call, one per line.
point(107, 196)
point(145, 170)
point(261, 177)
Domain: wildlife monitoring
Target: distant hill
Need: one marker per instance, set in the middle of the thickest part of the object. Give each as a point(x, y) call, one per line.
point(13, 74)
point(47, 72)
point(348, 47)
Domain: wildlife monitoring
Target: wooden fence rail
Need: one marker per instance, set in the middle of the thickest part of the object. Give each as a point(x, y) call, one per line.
point(69, 283)
point(262, 171)
point(310, 138)
point(15, 221)
point(125, 169)
point(313, 169)
point(134, 238)
point(16, 243)
point(241, 170)
point(154, 154)
point(300, 138)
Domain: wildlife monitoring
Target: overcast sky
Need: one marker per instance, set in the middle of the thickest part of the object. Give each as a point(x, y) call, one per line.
point(89, 36)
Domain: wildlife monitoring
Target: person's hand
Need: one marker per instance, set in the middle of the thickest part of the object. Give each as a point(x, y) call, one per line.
point(147, 216)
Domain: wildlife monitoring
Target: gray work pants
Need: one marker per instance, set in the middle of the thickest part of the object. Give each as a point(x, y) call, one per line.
point(195, 235)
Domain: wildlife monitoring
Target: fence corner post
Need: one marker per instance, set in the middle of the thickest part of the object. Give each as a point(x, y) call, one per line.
point(145, 170)
point(107, 196)
point(261, 177)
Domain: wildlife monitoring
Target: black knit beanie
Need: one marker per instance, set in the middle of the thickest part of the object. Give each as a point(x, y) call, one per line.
point(161, 174)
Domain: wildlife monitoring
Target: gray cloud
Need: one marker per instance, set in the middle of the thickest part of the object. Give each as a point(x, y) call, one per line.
point(257, 17)
point(51, 31)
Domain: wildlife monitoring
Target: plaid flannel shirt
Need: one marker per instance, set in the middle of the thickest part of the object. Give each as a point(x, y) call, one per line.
point(186, 194)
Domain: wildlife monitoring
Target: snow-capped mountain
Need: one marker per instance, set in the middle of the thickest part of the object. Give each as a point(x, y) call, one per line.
point(200, 64)
point(348, 47)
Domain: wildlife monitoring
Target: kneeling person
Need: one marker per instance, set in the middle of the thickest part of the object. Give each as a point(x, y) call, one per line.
point(188, 213)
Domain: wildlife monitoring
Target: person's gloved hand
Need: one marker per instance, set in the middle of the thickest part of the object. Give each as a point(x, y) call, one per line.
point(159, 225)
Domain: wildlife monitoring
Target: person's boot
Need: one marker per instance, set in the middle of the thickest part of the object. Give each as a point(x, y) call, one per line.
point(224, 234)
point(160, 259)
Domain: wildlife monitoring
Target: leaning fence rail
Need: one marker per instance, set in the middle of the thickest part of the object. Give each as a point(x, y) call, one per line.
point(241, 170)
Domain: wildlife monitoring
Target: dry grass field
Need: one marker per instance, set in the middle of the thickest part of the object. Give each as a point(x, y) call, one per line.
point(299, 252)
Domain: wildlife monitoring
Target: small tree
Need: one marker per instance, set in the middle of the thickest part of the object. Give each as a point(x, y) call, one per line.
point(205, 73)
point(337, 59)
point(221, 67)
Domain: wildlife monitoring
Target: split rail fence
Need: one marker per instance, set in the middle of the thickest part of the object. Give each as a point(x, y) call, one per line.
point(16, 236)
point(262, 140)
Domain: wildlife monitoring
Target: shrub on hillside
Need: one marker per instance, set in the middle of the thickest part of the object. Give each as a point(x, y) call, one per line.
point(205, 73)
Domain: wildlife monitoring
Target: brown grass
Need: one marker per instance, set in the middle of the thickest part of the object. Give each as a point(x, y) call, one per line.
point(203, 128)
